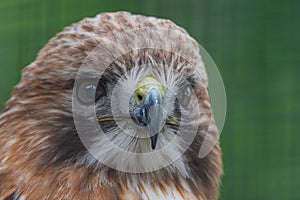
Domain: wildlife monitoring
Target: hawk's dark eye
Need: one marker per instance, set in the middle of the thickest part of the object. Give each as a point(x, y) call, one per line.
point(185, 96)
point(88, 92)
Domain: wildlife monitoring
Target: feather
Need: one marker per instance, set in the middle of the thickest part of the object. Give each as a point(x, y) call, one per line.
point(44, 157)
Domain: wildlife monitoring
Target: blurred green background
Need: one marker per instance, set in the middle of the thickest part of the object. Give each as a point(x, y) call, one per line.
point(254, 43)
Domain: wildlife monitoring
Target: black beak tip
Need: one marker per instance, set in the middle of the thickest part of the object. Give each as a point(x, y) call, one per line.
point(153, 141)
point(153, 146)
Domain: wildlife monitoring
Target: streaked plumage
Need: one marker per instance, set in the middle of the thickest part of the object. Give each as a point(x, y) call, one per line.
point(42, 156)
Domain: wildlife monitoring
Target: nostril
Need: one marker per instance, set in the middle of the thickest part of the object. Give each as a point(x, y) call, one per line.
point(140, 97)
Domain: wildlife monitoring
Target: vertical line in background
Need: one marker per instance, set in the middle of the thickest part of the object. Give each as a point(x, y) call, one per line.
point(63, 12)
point(238, 100)
point(44, 21)
point(21, 23)
point(294, 124)
point(261, 140)
point(289, 121)
point(279, 93)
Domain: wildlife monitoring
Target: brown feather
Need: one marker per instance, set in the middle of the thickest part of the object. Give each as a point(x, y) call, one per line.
point(37, 148)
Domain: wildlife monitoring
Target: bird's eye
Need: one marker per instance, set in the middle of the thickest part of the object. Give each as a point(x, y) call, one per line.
point(185, 96)
point(88, 92)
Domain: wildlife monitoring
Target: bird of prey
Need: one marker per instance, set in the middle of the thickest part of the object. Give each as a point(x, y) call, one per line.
point(114, 107)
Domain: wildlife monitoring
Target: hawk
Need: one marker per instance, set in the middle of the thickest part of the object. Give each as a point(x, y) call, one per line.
point(113, 107)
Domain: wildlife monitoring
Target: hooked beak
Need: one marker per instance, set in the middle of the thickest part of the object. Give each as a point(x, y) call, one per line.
point(148, 111)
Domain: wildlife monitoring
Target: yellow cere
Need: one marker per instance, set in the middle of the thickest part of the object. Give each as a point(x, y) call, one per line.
point(144, 85)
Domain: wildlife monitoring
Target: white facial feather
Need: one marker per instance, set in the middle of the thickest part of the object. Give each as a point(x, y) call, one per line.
point(129, 137)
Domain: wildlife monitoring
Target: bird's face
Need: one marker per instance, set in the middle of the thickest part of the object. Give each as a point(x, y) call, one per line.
point(141, 106)
point(139, 109)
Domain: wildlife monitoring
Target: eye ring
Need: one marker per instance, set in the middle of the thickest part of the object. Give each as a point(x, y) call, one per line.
point(88, 92)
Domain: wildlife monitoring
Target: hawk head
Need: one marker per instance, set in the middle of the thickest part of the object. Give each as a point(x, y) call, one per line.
point(118, 98)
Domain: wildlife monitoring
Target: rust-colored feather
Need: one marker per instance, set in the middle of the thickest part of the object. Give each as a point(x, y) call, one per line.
point(39, 150)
